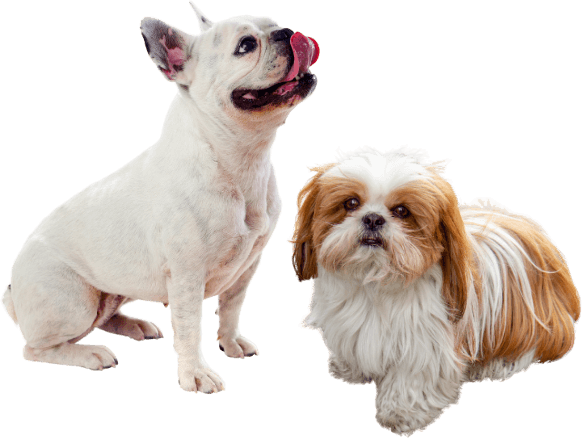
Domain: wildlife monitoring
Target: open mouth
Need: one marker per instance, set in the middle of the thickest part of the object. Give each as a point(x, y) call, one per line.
point(371, 241)
point(279, 94)
point(297, 84)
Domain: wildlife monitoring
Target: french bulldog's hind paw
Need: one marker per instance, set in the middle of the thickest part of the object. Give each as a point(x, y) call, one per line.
point(92, 357)
point(238, 347)
point(132, 327)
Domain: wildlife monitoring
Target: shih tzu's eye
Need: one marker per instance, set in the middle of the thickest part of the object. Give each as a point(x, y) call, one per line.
point(246, 45)
point(352, 204)
point(401, 212)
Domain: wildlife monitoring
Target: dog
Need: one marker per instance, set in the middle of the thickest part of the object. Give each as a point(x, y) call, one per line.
point(185, 220)
point(418, 294)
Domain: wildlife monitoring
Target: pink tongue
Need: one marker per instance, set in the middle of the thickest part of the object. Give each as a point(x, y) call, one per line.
point(305, 53)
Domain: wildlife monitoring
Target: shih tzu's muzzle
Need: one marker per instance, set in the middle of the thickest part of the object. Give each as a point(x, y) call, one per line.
point(372, 224)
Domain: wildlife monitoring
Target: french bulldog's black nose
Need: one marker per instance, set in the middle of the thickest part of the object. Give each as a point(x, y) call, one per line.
point(373, 221)
point(281, 34)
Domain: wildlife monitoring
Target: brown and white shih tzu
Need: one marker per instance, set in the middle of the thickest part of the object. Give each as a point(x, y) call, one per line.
point(418, 294)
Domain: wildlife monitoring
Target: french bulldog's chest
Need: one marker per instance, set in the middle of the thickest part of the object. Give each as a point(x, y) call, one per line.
point(239, 248)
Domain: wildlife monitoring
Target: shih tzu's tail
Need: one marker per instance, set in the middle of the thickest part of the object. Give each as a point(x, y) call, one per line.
point(528, 299)
point(9, 304)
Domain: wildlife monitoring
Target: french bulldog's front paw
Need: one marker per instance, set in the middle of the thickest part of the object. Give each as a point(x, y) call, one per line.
point(200, 379)
point(237, 347)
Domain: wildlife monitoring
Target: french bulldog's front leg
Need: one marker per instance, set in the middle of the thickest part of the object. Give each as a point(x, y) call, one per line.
point(229, 306)
point(185, 295)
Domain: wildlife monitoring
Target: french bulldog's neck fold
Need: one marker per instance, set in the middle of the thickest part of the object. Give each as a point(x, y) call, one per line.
point(240, 152)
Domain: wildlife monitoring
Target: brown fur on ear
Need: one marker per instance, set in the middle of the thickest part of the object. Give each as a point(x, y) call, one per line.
point(304, 254)
point(457, 261)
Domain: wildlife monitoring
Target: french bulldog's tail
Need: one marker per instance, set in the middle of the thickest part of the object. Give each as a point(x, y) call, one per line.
point(9, 304)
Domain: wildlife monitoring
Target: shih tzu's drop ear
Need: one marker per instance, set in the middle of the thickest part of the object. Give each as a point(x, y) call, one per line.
point(456, 259)
point(304, 252)
point(304, 260)
point(168, 47)
point(204, 22)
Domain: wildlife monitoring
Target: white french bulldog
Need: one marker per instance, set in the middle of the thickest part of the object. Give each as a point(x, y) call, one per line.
point(185, 220)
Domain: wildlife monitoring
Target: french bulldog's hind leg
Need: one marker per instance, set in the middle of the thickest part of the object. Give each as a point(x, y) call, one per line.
point(56, 307)
point(133, 328)
point(92, 357)
point(52, 335)
point(58, 345)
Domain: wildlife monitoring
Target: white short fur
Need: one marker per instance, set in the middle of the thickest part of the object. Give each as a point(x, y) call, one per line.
point(184, 221)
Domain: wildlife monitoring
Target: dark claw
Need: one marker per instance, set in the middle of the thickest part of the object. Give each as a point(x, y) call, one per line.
point(116, 362)
point(221, 347)
point(250, 354)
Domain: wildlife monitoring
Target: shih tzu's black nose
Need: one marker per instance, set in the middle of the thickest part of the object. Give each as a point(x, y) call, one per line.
point(281, 34)
point(373, 221)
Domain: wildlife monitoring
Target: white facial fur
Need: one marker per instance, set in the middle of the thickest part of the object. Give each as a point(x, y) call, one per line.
point(381, 174)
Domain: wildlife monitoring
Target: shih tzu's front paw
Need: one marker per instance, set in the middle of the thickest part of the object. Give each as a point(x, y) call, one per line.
point(341, 370)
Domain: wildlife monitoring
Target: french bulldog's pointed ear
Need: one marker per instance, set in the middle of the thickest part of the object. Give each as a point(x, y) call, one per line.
point(168, 47)
point(205, 23)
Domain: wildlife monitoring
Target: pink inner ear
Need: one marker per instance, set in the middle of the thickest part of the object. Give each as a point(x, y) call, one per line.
point(175, 57)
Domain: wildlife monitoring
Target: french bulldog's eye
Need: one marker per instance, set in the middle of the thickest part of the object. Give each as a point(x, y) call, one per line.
point(246, 45)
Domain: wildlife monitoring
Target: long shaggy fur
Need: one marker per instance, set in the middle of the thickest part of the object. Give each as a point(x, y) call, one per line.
point(451, 295)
